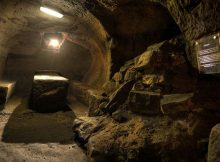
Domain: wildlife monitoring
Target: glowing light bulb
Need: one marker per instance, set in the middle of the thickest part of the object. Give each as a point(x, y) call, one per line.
point(214, 37)
point(51, 12)
point(54, 43)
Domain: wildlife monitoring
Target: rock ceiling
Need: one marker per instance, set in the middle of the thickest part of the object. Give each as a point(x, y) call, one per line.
point(22, 20)
point(112, 30)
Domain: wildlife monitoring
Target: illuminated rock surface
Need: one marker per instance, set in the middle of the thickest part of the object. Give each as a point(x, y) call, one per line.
point(132, 63)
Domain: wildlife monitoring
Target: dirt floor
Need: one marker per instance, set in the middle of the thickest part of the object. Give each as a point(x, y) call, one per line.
point(30, 136)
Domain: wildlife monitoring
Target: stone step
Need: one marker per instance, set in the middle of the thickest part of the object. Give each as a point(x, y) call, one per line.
point(6, 90)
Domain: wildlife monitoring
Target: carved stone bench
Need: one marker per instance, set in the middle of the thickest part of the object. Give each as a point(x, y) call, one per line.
point(6, 90)
point(49, 92)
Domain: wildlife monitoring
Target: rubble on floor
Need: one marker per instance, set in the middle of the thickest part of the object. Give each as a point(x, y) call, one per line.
point(84, 127)
point(138, 139)
point(154, 110)
point(119, 97)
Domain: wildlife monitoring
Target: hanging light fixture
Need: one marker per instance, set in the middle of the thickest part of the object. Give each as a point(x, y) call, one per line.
point(51, 12)
point(52, 42)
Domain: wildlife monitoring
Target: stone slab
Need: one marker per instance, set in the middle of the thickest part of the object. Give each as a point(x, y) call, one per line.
point(144, 102)
point(49, 93)
point(6, 90)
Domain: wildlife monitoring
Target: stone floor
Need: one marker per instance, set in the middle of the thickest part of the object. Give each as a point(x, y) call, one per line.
point(29, 136)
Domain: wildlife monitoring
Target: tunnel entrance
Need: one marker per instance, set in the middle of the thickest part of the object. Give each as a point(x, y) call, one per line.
point(73, 62)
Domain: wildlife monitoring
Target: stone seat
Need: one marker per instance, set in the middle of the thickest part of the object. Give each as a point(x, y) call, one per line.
point(144, 102)
point(49, 92)
point(6, 90)
point(176, 103)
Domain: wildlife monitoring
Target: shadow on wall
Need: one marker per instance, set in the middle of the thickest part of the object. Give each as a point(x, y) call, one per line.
point(25, 126)
point(2, 65)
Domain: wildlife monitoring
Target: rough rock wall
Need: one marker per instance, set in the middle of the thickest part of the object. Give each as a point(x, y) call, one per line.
point(87, 31)
point(9, 26)
point(20, 21)
point(133, 25)
point(182, 108)
point(130, 23)
point(195, 19)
